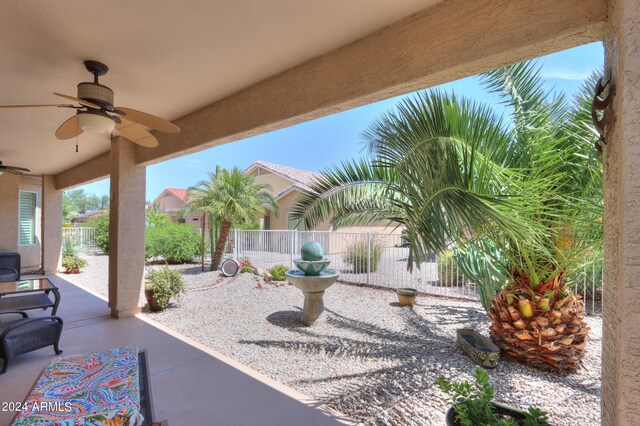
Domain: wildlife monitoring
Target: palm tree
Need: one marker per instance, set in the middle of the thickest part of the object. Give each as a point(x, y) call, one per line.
point(523, 195)
point(229, 197)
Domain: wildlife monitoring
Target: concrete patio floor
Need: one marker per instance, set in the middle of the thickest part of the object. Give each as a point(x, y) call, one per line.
point(191, 384)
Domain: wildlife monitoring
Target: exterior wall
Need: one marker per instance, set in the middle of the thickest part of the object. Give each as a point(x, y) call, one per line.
point(51, 225)
point(10, 187)
point(169, 202)
point(277, 183)
point(621, 324)
point(286, 204)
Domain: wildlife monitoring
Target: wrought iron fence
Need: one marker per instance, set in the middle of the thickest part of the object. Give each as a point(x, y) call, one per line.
point(379, 260)
point(85, 236)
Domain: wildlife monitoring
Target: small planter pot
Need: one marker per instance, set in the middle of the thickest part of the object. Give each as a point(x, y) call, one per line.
point(503, 410)
point(73, 271)
point(406, 296)
point(479, 348)
point(153, 304)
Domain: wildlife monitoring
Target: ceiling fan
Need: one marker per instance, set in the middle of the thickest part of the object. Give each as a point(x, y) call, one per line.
point(95, 113)
point(13, 169)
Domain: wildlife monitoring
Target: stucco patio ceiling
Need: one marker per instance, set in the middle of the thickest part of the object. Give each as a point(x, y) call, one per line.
point(165, 57)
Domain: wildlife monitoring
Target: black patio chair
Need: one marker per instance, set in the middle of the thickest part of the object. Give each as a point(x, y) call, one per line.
point(9, 267)
point(19, 336)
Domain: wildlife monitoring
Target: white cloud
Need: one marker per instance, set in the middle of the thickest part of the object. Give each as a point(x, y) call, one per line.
point(194, 163)
point(566, 74)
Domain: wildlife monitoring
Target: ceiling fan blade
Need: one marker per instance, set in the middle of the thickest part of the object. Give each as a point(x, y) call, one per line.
point(9, 170)
point(69, 129)
point(78, 100)
point(38, 106)
point(149, 120)
point(136, 134)
point(18, 169)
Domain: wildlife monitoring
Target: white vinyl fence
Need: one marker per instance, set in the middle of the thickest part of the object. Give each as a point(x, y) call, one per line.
point(379, 260)
point(85, 236)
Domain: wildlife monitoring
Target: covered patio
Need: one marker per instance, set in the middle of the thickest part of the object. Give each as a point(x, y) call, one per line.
point(191, 384)
point(223, 72)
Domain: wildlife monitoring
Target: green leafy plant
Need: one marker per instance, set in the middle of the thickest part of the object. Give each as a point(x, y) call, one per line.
point(101, 224)
point(246, 266)
point(356, 256)
point(71, 246)
point(277, 272)
point(73, 263)
point(173, 242)
point(165, 284)
point(449, 273)
point(473, 403)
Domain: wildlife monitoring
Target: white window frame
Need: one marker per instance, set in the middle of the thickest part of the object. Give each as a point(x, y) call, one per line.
point(35, 218)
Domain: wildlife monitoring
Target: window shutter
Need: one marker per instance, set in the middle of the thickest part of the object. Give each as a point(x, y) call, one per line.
point(27, 219)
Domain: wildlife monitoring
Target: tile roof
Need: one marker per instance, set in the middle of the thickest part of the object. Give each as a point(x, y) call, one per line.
point(179, 192)
point(302, 178)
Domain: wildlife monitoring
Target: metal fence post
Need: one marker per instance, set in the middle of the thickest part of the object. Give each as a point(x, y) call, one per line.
point(235, 243)
point(368, 257)
point(292, 235)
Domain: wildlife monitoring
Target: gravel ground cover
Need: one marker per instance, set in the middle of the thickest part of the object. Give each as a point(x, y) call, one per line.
point(370, 359)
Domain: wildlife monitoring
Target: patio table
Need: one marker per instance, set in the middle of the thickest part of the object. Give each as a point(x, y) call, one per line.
point(95, 388)
point(30, 294)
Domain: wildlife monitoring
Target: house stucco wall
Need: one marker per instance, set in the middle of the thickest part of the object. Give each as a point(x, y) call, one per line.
point(621, 324)
point(10, 187)
point(277, 183)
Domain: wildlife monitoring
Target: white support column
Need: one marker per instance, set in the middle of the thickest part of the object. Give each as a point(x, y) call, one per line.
point(621, 333)
point(51, 240)
point(126, 229)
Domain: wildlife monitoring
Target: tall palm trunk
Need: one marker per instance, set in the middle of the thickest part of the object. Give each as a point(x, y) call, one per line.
point(225, 227)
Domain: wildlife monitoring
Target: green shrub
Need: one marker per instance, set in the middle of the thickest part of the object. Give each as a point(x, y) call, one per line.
point(449, 273)
point(73, 262)
point(246, 266)
point(473, 403)
point(277, 272)
point(165, 284)
point(101, 223)
point(356, 256)
point(175, 243)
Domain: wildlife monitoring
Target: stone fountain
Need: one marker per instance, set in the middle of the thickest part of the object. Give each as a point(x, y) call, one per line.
point(313, 279)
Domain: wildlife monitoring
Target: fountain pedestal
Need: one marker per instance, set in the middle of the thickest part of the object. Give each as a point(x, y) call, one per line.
point(313, 287)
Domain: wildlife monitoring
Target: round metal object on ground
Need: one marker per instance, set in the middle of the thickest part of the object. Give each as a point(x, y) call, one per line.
point(230, 267)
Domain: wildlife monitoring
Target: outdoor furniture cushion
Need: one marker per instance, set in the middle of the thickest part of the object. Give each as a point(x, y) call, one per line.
point(24, 335)
point(8, 274)
point(10, 261)
point(96, 388)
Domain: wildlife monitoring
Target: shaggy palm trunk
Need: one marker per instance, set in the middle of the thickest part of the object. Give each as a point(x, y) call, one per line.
point(544, 329)
point(225, 227)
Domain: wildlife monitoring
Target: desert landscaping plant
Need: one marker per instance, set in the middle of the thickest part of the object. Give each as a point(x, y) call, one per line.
point(525, 195)
point(161, 285)
point(230, 196)
point(101, 224)
point(449, 273)
point(277, 272)
point(173, 242)
point(363, 257)
point(71, 260)
point(246, 266)
point(473, 404)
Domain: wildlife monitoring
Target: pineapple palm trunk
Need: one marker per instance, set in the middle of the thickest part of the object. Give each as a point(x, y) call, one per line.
point(225, 227)
point(544, 329)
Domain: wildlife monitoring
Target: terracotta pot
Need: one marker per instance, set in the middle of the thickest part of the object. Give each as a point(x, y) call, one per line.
point(153, 304)
point(73, 271)
point(406, 296)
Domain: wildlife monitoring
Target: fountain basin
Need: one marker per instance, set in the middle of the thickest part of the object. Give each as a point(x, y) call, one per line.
point(313, 287)
point(312, 267)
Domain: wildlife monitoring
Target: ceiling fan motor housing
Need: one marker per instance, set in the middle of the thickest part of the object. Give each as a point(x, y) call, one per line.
point(96, 93)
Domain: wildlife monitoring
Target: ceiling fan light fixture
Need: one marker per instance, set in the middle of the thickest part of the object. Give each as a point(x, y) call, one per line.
point(95, 123)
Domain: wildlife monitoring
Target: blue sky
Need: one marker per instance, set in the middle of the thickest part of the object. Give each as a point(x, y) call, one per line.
point(320, 143)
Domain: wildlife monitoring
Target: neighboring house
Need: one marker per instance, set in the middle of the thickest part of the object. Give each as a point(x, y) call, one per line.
point(287, 185)
point(173, 202)
point(86, 217)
